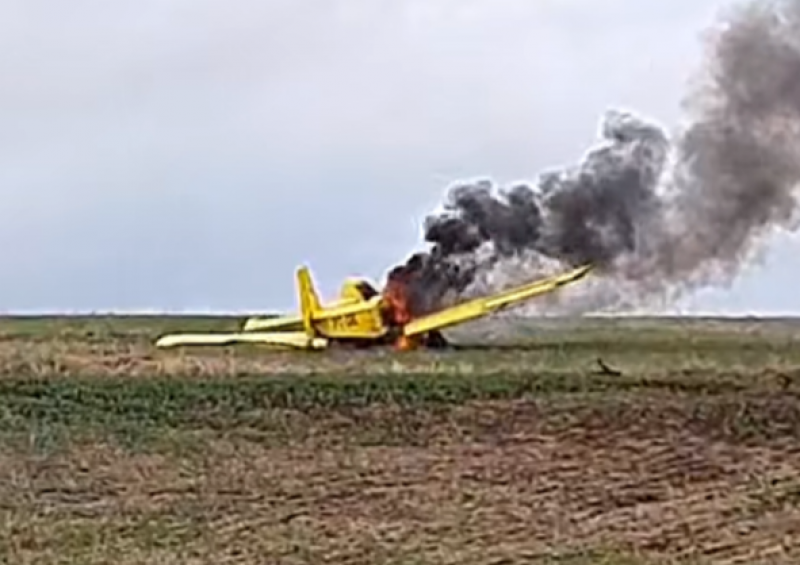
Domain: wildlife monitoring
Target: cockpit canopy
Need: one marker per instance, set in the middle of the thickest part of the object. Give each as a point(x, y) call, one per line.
point(359, 289)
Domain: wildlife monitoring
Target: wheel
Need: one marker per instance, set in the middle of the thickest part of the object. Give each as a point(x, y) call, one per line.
point(436, 340)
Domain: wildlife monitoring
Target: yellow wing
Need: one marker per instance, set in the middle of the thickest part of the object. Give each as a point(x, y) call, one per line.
point(291, 339)
point(486, 305)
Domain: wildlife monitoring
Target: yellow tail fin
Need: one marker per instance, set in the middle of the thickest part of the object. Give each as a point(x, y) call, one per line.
point(309, 300)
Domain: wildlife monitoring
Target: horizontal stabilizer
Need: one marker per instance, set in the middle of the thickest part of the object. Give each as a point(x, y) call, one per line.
point(291, 323)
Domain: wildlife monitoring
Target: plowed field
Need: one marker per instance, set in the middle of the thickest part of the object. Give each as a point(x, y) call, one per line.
point(522, 449)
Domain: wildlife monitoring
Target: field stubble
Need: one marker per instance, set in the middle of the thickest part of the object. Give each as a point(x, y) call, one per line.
point(115, 453)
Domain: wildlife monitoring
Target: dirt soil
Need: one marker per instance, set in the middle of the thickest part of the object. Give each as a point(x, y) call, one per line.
point(628, 476)
point(524, 485)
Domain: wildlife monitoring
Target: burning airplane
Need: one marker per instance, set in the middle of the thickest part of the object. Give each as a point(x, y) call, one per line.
point(364, 317)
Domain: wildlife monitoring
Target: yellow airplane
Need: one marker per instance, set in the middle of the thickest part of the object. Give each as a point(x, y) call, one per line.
point(362, 316)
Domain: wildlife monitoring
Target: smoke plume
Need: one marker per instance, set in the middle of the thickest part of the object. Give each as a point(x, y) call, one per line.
point(658, 216)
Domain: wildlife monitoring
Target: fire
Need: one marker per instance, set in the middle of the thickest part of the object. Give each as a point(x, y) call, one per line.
point(399, 304)
point(396, 296)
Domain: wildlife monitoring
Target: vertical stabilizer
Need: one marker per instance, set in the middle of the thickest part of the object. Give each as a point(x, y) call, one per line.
point(309, 300)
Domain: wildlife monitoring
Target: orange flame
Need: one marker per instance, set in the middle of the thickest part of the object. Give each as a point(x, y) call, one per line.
point(398, 303)
point(396, 297)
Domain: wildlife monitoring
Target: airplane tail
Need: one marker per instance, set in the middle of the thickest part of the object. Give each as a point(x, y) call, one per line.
point(309, 300)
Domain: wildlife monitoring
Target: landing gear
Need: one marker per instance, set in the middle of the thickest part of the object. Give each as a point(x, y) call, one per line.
point(436, 340)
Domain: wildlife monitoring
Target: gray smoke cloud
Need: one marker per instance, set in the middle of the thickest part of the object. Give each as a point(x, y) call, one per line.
point(658, 216)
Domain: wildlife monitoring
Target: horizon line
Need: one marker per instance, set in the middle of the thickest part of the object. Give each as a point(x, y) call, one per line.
point(145, 312)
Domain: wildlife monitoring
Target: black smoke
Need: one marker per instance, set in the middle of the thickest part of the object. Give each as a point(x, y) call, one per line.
point(656, 216)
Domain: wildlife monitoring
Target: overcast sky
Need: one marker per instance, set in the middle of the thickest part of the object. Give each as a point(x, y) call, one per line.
point(188, 154)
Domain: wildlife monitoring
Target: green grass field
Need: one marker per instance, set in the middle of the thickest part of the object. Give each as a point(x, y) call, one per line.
point(515, 447)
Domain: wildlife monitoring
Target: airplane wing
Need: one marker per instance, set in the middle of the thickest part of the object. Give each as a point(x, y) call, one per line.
point(292, 340)
point(480, 307)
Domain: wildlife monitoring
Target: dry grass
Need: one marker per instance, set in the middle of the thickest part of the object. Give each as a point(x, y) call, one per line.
point(103, 347)
point(113, 453)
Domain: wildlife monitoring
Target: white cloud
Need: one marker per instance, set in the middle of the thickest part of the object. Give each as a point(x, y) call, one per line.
point(187, 153)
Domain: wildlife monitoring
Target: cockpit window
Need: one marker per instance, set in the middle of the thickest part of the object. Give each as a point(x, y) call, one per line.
point(366, 290)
